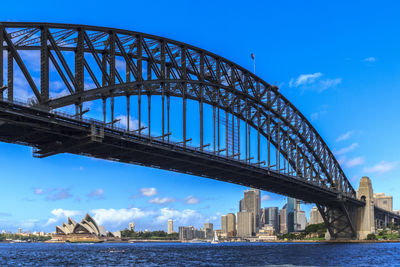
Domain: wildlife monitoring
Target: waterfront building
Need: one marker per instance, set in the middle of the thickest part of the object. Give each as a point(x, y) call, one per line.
point(315, 216)
point(384, 202)
point(87, 228)
point(245, 224)
point(132, 226)
point(224, 224)
point(282, 220)
point(208, 231)
point(190, 233)
point(231, 224)
point(170, 226)
point(267, 233)
point(251, 202)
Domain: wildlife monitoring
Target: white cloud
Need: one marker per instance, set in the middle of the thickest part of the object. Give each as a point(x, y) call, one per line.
point(266, 197)
point(61, 214)
point(118, 217)
point(314, 81)
point(148, 192)
point(162, 200)
point(191, 200)
point(304, 79)
point(345, 136)
point(369, 59)
point(381, 167)
point(347, 149)
point(354, 162)
point(133, 123)
point(185, 217)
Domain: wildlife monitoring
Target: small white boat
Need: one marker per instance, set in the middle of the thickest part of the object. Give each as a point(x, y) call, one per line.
point(215, 239)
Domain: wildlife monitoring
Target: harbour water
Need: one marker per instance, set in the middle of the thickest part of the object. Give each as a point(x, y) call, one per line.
point(224, 254)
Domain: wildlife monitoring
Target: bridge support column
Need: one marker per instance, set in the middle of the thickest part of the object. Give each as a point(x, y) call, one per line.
point(366, 214)
point(340, 221)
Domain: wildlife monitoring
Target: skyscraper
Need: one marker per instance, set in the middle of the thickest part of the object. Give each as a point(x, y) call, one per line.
point(315, 216)
point(272, 217)
point(251, 202)
point(245, 224)
point(170, 226)
point(291, 215)
point(282, 220)
point(208, 231)
point(224, 224)
point(231, 224)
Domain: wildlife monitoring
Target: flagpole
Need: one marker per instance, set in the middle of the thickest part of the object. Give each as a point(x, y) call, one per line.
point(253, 57)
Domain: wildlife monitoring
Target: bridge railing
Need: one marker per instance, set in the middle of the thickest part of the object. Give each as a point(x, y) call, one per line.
point(135, 134)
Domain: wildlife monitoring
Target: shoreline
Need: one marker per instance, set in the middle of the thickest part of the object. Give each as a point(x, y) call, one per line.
point(179, 241)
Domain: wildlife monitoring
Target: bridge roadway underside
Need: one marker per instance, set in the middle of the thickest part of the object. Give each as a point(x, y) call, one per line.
point(51, 134)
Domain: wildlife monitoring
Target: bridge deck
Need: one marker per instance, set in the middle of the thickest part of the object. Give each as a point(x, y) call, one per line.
point(51, 133)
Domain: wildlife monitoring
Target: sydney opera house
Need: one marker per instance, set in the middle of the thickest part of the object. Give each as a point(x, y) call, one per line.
point(87, 228)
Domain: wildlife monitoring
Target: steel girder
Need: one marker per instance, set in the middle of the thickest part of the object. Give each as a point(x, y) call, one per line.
point(172, 68)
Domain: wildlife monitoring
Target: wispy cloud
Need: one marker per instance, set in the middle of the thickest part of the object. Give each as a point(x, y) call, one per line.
point(266, 197)
point(305, 79)
point(354, 162)
point(314, 81)
point(369, 59)
point(347, 149)
point(96, 194)
point(322, 110)
point(163, 200)
point(345, 136)
point(191, 200)
point(381, 167)
point(53, 194)
point(148, 192)
point(133, 123)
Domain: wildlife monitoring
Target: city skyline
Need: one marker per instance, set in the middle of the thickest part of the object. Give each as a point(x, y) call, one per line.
point(338, 76)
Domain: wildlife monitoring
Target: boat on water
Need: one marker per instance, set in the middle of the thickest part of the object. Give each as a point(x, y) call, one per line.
point(215, 239)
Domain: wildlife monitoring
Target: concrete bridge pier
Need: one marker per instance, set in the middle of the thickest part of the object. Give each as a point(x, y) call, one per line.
point(365, 215)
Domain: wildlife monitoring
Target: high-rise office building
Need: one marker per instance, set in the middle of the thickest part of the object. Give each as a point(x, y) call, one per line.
point(315, 216)
point(208, 231)
point(245, 224)
point(301, 220)
point(291, 215)
point(170, 226)
point(224, 224)
point(251, 202)
point(272, 217)
point(282, 220)
point(132, 226)
point(231, 224)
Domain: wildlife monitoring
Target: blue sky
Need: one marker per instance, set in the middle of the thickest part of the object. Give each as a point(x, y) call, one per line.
point(337, 62)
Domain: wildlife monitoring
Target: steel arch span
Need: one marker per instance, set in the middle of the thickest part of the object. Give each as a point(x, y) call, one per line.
point(105, 65)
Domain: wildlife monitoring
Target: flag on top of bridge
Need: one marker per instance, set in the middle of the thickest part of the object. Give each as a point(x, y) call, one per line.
point(253, 56)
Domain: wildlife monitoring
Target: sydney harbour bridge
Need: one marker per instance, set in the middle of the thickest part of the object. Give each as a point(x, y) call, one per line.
point(142, 99)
